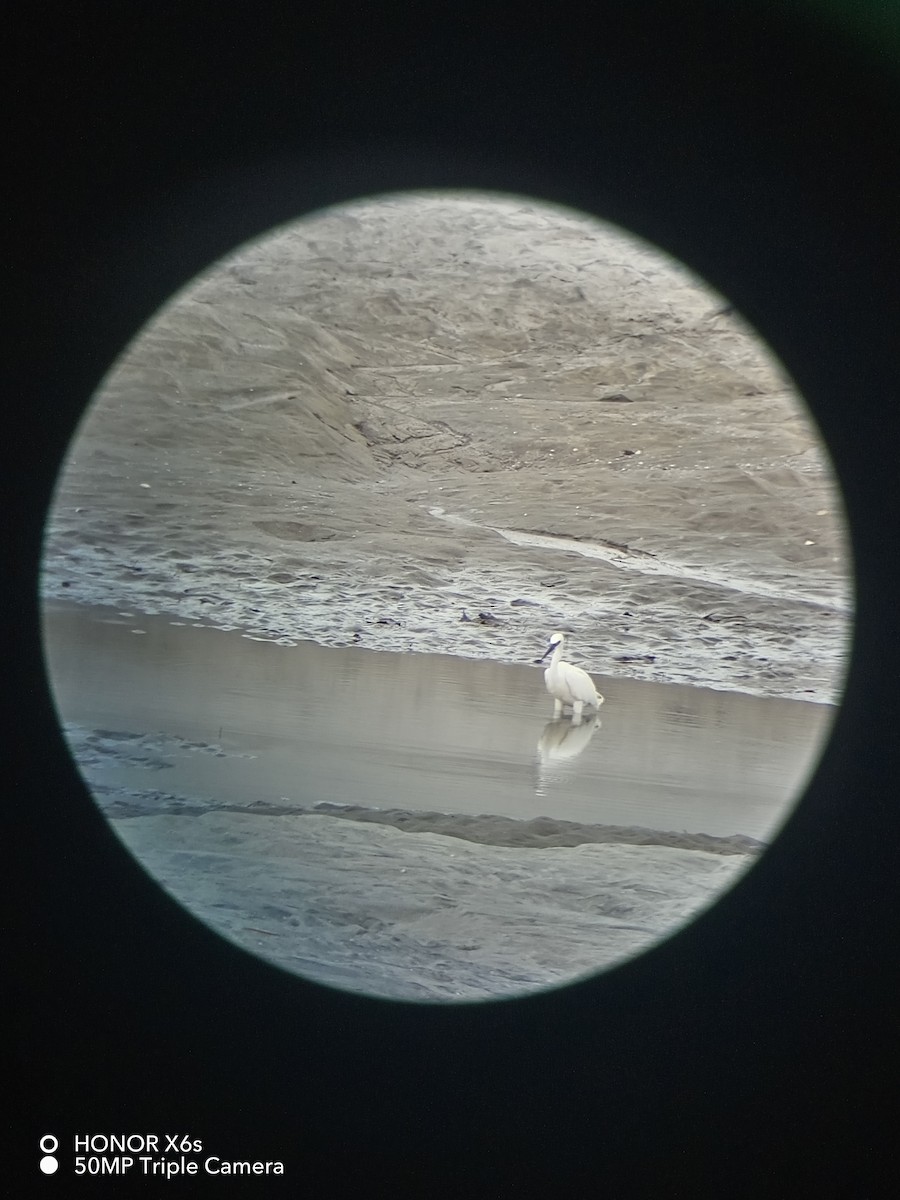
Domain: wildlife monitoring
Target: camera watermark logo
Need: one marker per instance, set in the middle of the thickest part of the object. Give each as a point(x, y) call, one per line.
point(49, 1144)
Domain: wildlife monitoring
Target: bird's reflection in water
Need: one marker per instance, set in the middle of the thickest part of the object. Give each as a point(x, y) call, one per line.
point(561, 741)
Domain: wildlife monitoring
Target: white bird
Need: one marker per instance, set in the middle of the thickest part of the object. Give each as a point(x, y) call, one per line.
point(566, 683)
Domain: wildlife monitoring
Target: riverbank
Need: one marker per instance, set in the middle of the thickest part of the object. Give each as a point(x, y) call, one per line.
point(453, 425)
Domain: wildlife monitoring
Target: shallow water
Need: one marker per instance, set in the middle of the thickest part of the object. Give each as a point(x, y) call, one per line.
point(310, 724)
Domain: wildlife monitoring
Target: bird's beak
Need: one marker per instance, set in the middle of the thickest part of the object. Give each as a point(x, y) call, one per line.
point(546, 652)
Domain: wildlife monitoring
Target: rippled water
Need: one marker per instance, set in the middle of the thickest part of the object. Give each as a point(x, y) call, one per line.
point(309, 724)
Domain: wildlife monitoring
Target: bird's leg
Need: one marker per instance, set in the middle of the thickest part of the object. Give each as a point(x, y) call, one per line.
point(576, 712)
point(557, 708)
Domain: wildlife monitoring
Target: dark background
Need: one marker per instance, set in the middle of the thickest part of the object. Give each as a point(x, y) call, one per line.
point(755, 1053)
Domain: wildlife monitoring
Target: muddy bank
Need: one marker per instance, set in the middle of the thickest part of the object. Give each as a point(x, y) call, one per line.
point(449, 424)
point(119, 803)
point(422, 916)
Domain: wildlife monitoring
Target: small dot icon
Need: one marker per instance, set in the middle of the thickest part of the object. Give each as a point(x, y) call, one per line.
point(49, 1164)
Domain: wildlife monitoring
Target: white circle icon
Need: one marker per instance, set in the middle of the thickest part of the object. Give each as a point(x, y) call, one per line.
point(49, 1143)
point(49, 1164)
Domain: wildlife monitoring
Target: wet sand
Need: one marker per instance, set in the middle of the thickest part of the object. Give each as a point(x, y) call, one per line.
point(422, 916)
point(452, 426)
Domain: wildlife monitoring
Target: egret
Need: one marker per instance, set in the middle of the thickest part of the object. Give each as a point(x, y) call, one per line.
point(566, 683)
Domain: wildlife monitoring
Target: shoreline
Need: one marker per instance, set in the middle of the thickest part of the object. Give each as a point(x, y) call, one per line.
point(494, 632)
point(452, 424)
point(98, 749)
point(118, 803)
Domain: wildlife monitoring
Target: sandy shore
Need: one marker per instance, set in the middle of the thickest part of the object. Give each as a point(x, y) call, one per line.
point(454, 425)
point(372, 426)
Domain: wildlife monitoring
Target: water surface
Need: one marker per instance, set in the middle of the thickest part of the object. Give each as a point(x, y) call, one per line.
point(307, 724)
